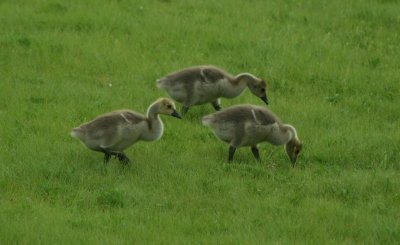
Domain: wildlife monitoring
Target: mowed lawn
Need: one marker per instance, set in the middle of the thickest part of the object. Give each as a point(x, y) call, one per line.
point(332, 69)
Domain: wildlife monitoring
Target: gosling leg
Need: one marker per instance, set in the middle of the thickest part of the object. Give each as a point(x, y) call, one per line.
point(107, 157)
point(123, 158)
point(216, 105)
point(232, 150)
point(185, 109)
point(255, 152)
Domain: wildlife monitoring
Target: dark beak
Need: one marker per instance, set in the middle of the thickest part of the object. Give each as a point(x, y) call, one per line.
point(176, 114)
point(264, 98)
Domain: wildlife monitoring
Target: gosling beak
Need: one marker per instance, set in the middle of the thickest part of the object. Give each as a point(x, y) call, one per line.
point(176, 114)
point(264, 98)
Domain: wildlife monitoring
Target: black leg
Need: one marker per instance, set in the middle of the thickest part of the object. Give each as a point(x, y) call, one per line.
point(255, 152)
point(216, 105)
point(185, 109)
point(123, 158)
point(232, 150)
point(107, 157)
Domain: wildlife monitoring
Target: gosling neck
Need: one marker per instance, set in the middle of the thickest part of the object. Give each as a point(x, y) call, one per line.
point(233, 86)
point(288, 133)
point(152, 112)
point(244, 78)
point(155, 125)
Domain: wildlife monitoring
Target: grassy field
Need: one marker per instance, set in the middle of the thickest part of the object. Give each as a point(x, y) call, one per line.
point(333, 72)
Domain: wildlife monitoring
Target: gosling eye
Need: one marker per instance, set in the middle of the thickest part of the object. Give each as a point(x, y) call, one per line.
point(263, 90)
point(169, 106)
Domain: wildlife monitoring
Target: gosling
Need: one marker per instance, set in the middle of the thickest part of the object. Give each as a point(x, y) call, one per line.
point(113, 132)
point(249, 125)
point(206, 84)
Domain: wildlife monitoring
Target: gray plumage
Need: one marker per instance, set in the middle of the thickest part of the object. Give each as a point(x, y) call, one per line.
point(113, 132)
point(249, 125)
point(206, 84)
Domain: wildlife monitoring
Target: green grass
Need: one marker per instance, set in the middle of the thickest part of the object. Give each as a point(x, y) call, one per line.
point(333, 72)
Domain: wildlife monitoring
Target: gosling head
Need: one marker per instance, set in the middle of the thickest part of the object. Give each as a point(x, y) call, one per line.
point(293, 149)
point(167, 107)
point(257, 86)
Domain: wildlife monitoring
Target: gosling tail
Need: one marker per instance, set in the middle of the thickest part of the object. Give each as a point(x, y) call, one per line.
point(207, 120)
point(76, 133)
point(160, 83)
